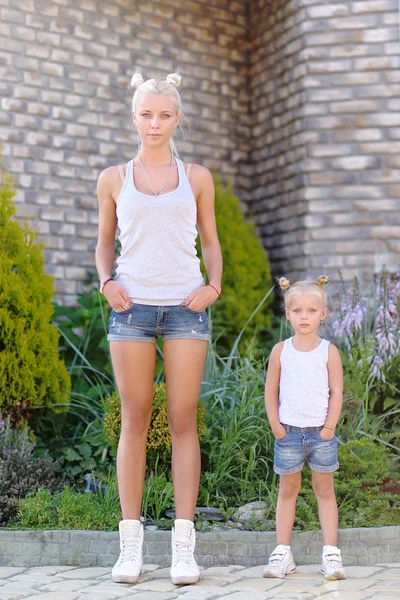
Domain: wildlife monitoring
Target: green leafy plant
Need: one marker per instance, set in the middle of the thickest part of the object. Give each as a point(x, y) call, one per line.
point(83, 331)
point(367, 488)
point(158, 496)
point(38, 511)
point(32, 374)
point(70, 434)
point(69, 510)
point(237, 450)
point(79, 460)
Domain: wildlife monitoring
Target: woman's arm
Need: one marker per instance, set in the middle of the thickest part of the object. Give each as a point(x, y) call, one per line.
point(107, 184)
point(272, 391)
point(203, 189)
point(335, 375)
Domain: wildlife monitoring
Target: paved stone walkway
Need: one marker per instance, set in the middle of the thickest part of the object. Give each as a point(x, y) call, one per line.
point(380, 582)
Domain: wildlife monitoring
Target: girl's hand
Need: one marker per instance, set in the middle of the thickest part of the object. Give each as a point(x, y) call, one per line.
point(279, 431)
point(116, 296)
point(327, 434)
point(201, 298)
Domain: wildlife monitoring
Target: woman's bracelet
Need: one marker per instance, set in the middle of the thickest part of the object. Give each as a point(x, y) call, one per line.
point(331, 428)
point(104, 283)
point(214, 288)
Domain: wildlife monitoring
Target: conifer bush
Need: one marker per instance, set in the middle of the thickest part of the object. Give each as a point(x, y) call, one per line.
point(31, 372)
point(246, 277)
point(159, 437)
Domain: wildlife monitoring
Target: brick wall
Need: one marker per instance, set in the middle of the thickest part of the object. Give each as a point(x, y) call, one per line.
point(296, 101)
point(352, 121)
point(65, 69)
point(325, 105)
point(276, 198)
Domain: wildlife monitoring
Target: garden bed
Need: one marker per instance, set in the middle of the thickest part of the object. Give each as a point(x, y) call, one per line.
point(360, 546)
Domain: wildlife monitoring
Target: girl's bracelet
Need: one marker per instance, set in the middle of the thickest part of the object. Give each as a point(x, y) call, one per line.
point(214, 288)
point(331, 428)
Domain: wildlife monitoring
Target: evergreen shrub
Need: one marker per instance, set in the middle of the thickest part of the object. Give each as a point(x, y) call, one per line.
point(246, 277)
point(159, 437)
point(31, 372)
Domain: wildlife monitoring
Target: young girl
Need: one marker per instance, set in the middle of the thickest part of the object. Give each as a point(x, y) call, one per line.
point(303, 398)
point(159, 205)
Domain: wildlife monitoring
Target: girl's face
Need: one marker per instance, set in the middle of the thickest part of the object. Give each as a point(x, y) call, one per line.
point(155, 119)
point(305, 313)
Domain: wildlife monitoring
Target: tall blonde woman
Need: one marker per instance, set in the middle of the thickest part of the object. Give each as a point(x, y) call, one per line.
point(159, 205)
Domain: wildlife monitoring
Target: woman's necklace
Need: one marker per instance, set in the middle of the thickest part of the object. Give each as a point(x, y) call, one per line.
point(148, 180)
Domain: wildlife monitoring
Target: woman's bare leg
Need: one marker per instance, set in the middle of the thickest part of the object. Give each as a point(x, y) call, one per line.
point(184, 364)
point(133, 364)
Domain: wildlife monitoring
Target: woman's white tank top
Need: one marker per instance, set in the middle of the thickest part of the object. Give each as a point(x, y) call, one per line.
point(158, 263)
point(304, 385)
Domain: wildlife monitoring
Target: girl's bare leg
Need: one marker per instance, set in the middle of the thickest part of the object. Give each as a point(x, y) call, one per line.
point(324, 490)
point(133, 364)
point(289, 487)
point(184, 364)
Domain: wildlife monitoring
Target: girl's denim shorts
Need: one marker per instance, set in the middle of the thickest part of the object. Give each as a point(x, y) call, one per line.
point(144, 323)
point(301, 444)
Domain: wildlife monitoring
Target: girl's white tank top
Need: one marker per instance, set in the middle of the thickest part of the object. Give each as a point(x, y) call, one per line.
point(304, 385)
point(158, 263)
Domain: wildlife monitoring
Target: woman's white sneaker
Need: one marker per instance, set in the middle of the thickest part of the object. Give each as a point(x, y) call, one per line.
point(129, 564)
point(184, 568)
point(332, 567)
point(280, 563)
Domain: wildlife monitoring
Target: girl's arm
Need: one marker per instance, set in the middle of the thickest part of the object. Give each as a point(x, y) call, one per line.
point(107, 183)
point(335, 375)
point(203, 189)
point(272, 391)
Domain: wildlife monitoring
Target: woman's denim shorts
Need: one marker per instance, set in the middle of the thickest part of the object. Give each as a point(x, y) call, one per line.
point(301, 444)
point(144, 323)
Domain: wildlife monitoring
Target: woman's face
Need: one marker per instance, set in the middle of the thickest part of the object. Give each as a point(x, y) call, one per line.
point(155, 119)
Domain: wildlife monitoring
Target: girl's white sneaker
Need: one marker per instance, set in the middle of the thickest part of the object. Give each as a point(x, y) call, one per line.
point(129, 564)
point(184, 568)
point(280, 563)
point(332, 568)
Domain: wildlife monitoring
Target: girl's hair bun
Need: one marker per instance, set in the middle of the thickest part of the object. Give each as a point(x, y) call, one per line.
point(174, 79)
point(284, 283)
point(322, 280)
point(137, 80)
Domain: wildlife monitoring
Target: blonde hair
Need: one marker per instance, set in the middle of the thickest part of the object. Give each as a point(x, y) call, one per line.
point(163, 87)
point(307, 286)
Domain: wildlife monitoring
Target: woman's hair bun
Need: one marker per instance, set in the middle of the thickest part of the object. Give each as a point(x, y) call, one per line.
point(322, 280)
point(137, 80)
point(174, 79)
point(284, 283)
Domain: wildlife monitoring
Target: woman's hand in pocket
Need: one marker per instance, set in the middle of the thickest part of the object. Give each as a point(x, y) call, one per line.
point(116, 296)
point(201, 298)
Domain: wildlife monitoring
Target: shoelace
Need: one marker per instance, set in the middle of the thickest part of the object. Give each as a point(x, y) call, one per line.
point(129, 551)
point(183, 553)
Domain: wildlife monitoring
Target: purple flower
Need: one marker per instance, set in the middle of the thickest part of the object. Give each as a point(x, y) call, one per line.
point(355, 320)
point(349, 315)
